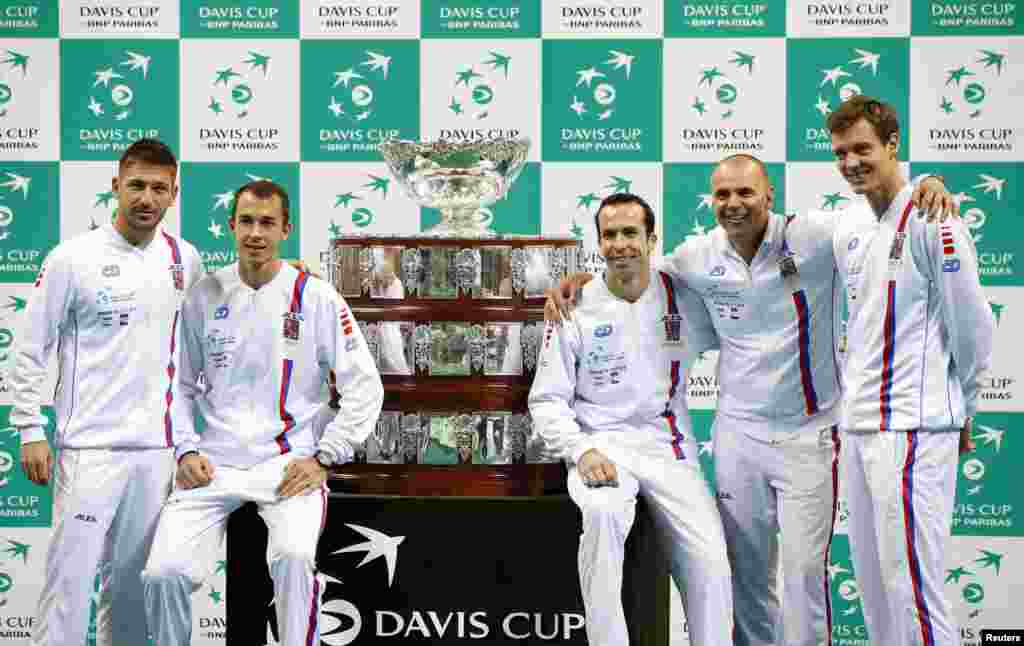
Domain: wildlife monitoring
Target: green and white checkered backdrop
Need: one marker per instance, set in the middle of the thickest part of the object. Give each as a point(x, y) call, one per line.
point(638, 95)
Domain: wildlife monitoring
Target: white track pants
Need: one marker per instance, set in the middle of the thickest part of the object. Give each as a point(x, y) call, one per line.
point(764, 487)
point(193, 525)
point(900, 488)
point(685, 514)
point(105, 509)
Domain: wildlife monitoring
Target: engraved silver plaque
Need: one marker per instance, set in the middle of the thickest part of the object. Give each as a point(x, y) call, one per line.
point(449, 349)
point(504, 354)
point(466, 441)
point(496, 272)
point(422, 344)
point(395, 356)
point(477, 347)
point(530, 344)
point(382, 447)
point(439, 279)
point(412, 271)
point(538, 271)
point(347, 276)
point(467, 270)
point(385, 277)
point(518, 270)
point(413, 438)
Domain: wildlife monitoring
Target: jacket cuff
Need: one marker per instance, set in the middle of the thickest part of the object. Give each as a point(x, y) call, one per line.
point(182, 449)
point(32, 434)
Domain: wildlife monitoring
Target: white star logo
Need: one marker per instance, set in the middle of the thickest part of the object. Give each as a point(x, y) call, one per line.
point(991, 185)
point(962, 197)
point(704, 448)
point(620, 59)
point(378, 62)
point(137, 61)
point(604, 115)
point(105, 76)
point(867, 59)
point(94, 107)
point(215, 229)
point(18, 183)
point(990, 435)
point(823, 107)
point(223, 200)
point(379, 545)
point(577, 107)
point(835, 569)
point(975, 490)
point(343, 78)
point(705, 201)
point(834, 75)
point(335, 107)
point(588, 75)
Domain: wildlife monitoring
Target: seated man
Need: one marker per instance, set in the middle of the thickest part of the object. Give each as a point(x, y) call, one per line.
point(610, 395)
point(264, 336)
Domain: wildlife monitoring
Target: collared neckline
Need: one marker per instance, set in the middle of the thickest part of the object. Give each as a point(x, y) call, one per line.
point(772, 235)
point(283, 281)
point(117, 238)
point(897, 205)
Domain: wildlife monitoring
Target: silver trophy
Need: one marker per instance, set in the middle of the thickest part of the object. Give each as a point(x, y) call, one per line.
point(459, 178)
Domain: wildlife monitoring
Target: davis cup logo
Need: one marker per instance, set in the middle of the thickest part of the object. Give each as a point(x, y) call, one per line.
point(361, 216)
point(112, 97)
point(973, 215)
point(838, 84)
point(352, 92)
point(594, 96)
point(972, 576)
point(473, 91)
point(718, 92)
point(14, 183)
point(232, 92)
point(18, 62)
point(965, 88)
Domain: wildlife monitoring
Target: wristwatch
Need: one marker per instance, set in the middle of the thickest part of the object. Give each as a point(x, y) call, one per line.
point(324, 459)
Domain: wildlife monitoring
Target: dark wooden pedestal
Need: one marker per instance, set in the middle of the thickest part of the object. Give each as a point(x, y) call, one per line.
point(504, 565)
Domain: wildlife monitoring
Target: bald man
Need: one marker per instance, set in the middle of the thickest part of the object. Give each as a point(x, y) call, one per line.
point(769, 283)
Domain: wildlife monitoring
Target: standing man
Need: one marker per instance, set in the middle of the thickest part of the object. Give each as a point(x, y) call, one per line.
point(265, 336)
point(610, 395)
point(768, 283)
point(109, 301)
point(920, 336)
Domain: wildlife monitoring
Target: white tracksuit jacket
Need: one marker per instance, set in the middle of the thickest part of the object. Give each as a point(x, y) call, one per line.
point(610, 375)
point(262, 376)
point(920, 328)
point(111, 309)
point(777, 365)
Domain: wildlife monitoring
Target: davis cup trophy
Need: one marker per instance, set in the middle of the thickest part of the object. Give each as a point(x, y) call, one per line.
point(454, 320)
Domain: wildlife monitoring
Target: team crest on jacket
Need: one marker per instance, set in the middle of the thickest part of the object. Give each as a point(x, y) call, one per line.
point(178, 275)
point(291, 328)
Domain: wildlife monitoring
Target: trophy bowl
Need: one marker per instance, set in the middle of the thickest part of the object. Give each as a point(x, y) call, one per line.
point(458, 178)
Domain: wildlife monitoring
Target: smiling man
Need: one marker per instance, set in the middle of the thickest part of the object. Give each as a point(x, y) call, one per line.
point(920, 337)
point(768, 283)
point(108, 300)
point(610, 396)
point(265, 337)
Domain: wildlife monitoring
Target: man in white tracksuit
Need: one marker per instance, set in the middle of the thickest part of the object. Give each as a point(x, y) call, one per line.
point(610, 395)
point(768, 283)
point(920, 336)
point(265, 337)
point(109, 301)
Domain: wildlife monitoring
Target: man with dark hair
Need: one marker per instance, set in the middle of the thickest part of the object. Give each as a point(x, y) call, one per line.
point(920, 337)
point(610, 396)
point(109, 301)
point(265, 336)
point(768, 283)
